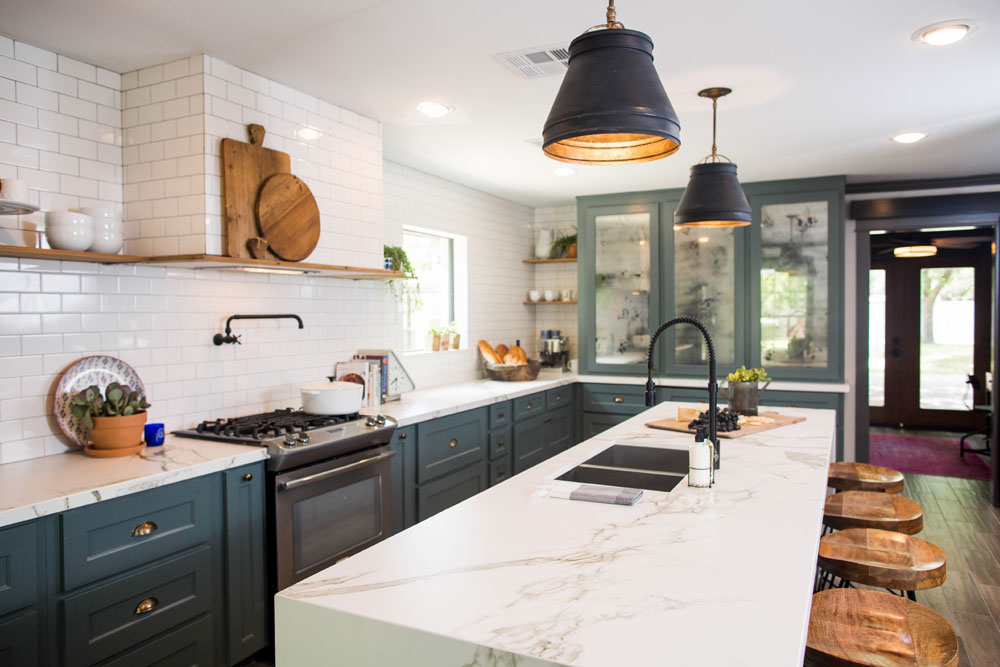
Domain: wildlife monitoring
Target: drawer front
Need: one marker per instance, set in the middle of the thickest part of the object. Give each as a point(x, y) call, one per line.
point(529, 443)
point(529, 406)
point(499, 442)
point(106, 620)
point(500, 414)
point(441, 494)
point(18, 567)
point(598, 423)
point(558, 431)
point(558, 397)
point(19, 641)
point(499, 470)
point(113, 536)
point(450, 443)
point(191, 644)
point(613, 398)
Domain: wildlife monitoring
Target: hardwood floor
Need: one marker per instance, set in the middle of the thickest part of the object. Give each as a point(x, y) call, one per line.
point(959, 518)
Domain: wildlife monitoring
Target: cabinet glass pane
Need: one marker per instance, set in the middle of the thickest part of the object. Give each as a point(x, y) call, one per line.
point(794, 285)
point(876, 338)
point(704, 288)
point(947, 324)
point(621, 289)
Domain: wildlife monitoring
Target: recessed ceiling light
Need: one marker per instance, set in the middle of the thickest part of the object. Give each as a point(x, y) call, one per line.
point(945, 32)
point(433, 109)
point(908, 137)
point(915, 251)
point(563, 171)
point(703, 239)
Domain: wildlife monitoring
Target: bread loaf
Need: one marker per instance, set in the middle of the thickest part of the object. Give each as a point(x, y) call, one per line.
point(512, 359)
point(502, 350)
point(521, 355)
point(486, 350)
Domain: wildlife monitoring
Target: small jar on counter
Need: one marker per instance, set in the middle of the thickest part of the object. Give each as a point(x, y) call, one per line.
point(700, 461)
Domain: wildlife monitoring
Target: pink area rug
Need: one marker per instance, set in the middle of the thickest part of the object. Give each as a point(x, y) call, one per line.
point(928, 456)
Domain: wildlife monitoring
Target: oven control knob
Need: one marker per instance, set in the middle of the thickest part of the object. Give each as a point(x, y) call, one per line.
point(289, 440)
point(380, 420)
point(303, 438)
point(371, 423)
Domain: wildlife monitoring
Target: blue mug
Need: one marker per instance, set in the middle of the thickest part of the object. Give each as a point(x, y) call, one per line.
point(154, 435)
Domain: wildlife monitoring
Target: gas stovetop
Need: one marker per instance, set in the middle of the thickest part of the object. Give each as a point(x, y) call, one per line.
point(294, 437)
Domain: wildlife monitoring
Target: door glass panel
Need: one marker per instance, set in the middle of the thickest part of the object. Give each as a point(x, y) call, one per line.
point(621, 289)
point(354, 511)
point(876, 338)
point(794, 281)
point(947, 324)
point(704, 288)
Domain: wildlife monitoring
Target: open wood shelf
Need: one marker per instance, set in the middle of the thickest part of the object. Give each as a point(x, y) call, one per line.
point(549, 261)
point(550, 303)
point(217, 262)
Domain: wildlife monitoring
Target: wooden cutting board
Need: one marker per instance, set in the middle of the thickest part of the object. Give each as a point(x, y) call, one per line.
point(245, 166)
point(682, 426)
point(288, 217)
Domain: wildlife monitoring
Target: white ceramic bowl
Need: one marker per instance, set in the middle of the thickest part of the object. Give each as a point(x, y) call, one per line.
point(68, 230)
point(535, 295)
point(102, 214)
point(108, 236)
point(551, 295)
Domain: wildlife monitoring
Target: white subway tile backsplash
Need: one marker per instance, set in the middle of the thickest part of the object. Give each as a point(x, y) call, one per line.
point(74, 106)
point(77, 69)
point(163, 91)
point(18, 71)
point(32, 54)
point(77, 147)
point(37, 97)
point(6, 46)
point(59, 83)
point(21, 156)
point(176, 69)
point(57, 122)
point(97, 94)
point(151, 75)
point(110, 79)
point(22, 114)
point(35, 138)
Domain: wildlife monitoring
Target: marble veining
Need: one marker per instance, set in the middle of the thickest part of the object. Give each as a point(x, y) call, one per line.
point(37, 487)
point(694, 576)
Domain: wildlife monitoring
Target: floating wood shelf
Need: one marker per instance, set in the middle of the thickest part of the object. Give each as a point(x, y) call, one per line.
point(216, 262)
point(549, 261)
point(550, 303)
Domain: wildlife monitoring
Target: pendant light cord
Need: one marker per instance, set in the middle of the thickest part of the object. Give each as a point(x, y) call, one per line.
point(611, 18)
point(714, 94)
point(715, 106)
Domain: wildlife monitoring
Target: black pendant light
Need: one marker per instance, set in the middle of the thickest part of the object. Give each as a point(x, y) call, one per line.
point(611, 107)
point(713, 197)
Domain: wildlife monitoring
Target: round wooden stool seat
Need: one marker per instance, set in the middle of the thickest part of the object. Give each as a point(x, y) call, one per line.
point(850, 476)
point(859, 627)
point(873, 509)
point(882, 558)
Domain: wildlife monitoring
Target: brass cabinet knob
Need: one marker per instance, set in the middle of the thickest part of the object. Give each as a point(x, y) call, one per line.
point(500, 443)
point(528, 406)
point(619, 399)
point(453, 443)
point(501, 471)
point(547, 420)
point(146, 606)
point(402, 436)
point(558, 397)
point(500, 414)
point(144, 528)
point(247, 477)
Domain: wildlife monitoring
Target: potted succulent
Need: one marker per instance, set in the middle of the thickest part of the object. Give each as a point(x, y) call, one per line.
point(742, 392)
point(455, 336)
point(406, 288)
point(564, 246)
point(435, 339)
point(115, 419)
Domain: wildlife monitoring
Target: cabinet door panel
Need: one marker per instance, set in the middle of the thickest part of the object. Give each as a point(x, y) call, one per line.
point(187, 646)
point(246, 581)
point(500, 414)
point(529, 406)
point(19, 641)
point(558, 430)
point(594, 424)
point(18, 567)
point(441, 494)
point(613, 398)
point(529, 443)
point(499, 470)
point(404, 444)
point(449, 443)
point(559, 397)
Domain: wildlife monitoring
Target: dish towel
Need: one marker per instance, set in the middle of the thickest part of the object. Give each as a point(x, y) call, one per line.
point(613, 495)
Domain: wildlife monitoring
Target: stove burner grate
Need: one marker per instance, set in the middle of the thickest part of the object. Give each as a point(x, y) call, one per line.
point(271, 424)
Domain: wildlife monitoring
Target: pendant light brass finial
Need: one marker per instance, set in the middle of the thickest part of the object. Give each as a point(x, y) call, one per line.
point(713, 197)
point(611, 107)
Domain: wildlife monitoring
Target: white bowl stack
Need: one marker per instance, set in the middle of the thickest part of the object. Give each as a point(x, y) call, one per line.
point(69, 230)
point(107, 229)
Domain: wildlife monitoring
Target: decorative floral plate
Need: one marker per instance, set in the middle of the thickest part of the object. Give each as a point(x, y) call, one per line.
point(97, 370)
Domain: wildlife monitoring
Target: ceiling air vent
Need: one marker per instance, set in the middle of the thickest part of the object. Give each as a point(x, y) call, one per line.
point(536, 62)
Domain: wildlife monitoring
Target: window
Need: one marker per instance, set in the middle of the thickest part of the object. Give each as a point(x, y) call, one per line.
point(439, 260)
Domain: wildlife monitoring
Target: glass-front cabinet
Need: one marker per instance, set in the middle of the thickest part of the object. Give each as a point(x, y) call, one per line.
point(770, 294)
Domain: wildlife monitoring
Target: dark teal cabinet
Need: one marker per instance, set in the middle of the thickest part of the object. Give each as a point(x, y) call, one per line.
point(605, 405)
point(402, 471)
point(529, 443)
point(19, 637)
point(246, 568)
point(452, 489)
point(447, 444)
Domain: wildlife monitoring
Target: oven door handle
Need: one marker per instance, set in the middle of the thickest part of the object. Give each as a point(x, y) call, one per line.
point(327, 474)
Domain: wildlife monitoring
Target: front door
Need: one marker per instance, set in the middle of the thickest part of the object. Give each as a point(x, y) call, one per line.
point(929, 331)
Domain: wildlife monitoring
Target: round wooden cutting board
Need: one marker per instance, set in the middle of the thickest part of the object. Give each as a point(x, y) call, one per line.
point(288, 217)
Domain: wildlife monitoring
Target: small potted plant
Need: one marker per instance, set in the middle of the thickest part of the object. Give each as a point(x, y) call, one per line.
point(564, 246)
point(115, 419)
point(435, 339)
point(742, 392)
point(407, 288)
point(455, 336)
point(445, 338)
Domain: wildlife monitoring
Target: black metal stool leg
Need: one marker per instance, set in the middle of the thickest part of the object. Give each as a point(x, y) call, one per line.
point(912, 595)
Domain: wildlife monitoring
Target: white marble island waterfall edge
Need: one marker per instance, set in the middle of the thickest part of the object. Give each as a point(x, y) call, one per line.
point(511, 577)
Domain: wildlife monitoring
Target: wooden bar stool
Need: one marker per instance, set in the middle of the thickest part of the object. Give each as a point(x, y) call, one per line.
point(873, 509)
point(882, 558)
point(850, 476)
point(848, 626)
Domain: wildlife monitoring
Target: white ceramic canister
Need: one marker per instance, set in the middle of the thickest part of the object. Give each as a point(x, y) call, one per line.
point(107, 229)
point(14, 189)
point(69, 230)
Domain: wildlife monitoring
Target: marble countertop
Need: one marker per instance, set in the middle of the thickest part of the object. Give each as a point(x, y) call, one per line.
point(424, 404)
point(37, 487)
point(719, 576)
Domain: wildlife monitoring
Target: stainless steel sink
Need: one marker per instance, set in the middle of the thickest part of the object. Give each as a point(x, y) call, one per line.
point(637, 467)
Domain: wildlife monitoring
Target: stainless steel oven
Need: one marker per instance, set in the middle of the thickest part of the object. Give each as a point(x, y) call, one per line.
point(328, 511)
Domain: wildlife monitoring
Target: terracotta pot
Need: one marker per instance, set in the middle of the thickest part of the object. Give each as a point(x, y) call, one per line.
point(571, 252)
point(435, 342)
point(118, 432)
point(455, 338)
point(445, 341)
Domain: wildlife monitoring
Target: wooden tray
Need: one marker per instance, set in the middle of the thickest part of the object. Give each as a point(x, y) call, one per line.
point(682, 426)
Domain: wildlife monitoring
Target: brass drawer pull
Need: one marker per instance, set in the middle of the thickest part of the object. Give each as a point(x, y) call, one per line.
point(500, 443)
point(402, 436)
point(247, 477)
point(146, 606)
point(144, 528)
point(527, 406)
point(558, 397)
point(453, 442)
point(501, 472)
point(547, 420)
point(500, 415)
point(619, 399)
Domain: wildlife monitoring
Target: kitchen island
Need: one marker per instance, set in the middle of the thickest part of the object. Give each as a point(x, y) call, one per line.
point(719, 576)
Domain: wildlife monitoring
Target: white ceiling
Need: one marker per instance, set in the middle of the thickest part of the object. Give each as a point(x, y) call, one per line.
point(818, 87)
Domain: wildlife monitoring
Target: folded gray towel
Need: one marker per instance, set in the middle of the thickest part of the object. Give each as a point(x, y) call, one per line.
point(613, 495)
